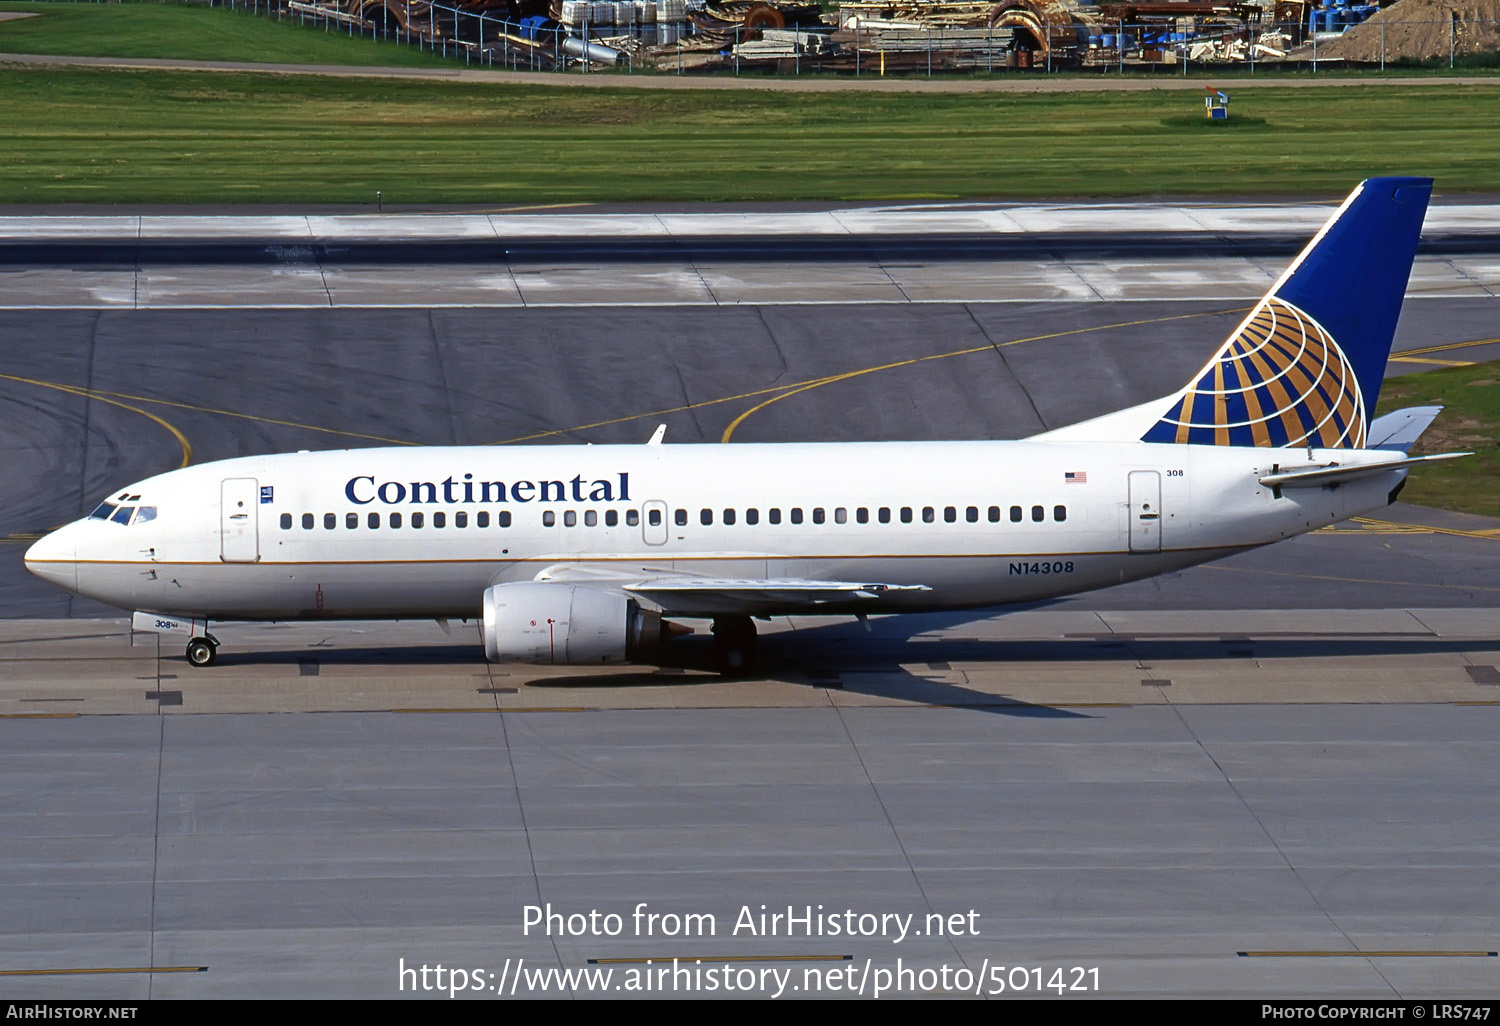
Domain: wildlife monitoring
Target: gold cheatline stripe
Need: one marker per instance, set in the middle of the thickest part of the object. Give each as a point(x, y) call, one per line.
point(96, 972)
point(769, 557)
point(724, 958)
point(1368, 954)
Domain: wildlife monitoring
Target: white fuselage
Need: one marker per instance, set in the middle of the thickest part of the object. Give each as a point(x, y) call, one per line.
point(385, 533)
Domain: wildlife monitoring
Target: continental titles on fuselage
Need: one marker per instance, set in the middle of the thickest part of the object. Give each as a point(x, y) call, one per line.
point(364, 490)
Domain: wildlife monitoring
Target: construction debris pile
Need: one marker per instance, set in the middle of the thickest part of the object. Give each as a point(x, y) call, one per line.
point(915, 36)
point(1419, 30)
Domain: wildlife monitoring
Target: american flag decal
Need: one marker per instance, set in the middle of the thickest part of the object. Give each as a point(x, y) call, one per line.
point(1076, 477)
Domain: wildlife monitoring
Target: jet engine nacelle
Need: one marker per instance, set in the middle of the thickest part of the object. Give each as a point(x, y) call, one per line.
point(564, 624)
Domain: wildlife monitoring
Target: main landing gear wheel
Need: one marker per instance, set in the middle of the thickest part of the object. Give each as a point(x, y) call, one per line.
point(734, 645)
point(202, 651)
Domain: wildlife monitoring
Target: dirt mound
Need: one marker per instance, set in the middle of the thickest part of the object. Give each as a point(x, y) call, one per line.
point(1420, 29)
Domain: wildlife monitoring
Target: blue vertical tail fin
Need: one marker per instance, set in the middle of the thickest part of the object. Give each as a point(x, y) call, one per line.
point(1304, 369)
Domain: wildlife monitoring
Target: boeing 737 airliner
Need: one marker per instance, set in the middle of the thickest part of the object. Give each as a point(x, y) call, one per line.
point(575, 554)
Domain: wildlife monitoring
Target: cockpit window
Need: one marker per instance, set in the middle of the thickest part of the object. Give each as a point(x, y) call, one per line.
point(123, 514)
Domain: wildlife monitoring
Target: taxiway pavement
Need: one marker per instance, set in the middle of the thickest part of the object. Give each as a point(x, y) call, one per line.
point(1268, 776)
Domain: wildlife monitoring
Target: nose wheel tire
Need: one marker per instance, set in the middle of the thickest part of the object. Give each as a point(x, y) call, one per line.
point(202, 652)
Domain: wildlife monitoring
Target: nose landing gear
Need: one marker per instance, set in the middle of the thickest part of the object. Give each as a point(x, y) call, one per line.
point(203, 651)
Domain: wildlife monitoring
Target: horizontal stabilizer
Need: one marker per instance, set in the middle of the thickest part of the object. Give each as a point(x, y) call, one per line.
point(1333, 473)
point(1400, 429)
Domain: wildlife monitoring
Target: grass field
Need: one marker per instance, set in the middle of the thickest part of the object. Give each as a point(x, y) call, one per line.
point(1470, 422)
point(121, 136)
point(190, 33)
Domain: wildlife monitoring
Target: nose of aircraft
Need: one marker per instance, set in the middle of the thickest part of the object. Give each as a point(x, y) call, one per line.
point(54, 558)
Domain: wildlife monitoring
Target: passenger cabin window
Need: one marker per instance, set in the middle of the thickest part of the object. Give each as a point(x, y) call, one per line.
point(752, 515)
point(570, 519)
point(818, 514)
point(972, 514)
point(729, 517)
point(1038, 514)
point(307, 521)
point(1015, 514)
point(440, 520)
point(796, 514)
point(611, 518)
point(633, 518)
point(994, 514)
point(482, 518)
point(286, 521)
point(706, 517)
point(906, 514)
point(503, 518)
point(330, 521)
point(950, 515)
point(928, 514)
point(373, 520)
point(460, 519)
point(1059, 513)
point(885, 515)
point(591, 518)
point(862, 515)
point(679, 517)
point(549, 519)
point(417, 520)
point(395, 520)
point(774, 515)
point(840, 515)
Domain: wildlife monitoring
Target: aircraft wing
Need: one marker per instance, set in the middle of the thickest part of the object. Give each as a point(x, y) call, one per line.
point(686, 596)
point(683, 594)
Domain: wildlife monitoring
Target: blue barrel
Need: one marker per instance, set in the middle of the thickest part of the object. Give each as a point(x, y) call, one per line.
point(1109, 40)
point(1127, 41)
